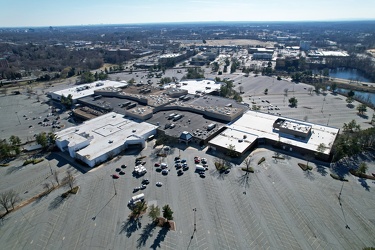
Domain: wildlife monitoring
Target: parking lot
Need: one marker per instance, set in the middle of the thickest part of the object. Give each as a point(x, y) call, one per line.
point(277, 207)
point(24, 117)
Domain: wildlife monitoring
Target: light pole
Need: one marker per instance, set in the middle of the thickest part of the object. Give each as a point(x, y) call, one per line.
point(195, 219)
point(114, 186)
point(329, 116)
point(323, 104)
point(19, 122)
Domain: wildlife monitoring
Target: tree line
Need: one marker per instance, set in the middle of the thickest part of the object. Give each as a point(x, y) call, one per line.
point(353, 141)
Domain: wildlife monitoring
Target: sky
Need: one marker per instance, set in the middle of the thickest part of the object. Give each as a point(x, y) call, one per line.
point(27, 13)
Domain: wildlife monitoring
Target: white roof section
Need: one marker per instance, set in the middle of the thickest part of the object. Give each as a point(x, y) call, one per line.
point(170, 55)
point(199, 86)
point(106, 132)
point(88, 89)
point(260, 125)
point(234, 137)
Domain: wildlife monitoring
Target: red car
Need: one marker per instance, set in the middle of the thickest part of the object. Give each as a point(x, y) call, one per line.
point(115, 176)
point(197, 160)
point(157, 164)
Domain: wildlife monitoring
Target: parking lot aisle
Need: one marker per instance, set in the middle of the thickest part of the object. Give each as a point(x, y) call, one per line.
point(270, 205)
point(93, 210)
point(248, 215)
point(56, 221)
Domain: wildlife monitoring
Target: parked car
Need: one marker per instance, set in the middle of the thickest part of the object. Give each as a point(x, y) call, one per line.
point(142, 187)
point(159, 184)
point(204, 160)
point(202, 175)
point(145, 181)
point(115, 176)
point(183, 160)
point(136, 189)
point(185, 168)
point(165, 171)
point(157, 164)
point(176, 158)
point(118, 169)
point(123, 166)
point(178, 165)
point(180, 172)
point(197, 160)
point(164, 165)
point(121, 172)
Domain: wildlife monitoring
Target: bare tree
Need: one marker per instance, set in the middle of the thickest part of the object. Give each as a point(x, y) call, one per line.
point(247, 163)
point(46, 186)
point(4, 201)
point(70, 179)
point(13, 197)
point(8, 198)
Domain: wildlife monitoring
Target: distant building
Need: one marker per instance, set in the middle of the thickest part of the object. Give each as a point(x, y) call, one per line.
point(304, 45)
point(172, 59)
point(86, 89)
point(262, 56)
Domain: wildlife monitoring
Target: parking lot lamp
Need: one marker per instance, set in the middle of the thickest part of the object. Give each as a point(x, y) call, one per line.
point(114, 186)
point(195, 219)
point(329, 116)
point(19, 122)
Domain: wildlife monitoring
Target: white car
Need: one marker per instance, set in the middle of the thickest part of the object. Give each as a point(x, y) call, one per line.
point(164, 165)
point(159, 184)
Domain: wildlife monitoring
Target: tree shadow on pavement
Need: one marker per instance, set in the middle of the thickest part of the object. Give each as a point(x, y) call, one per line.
point(364, 184)
point(309, 175)
point(11, 170)
point(321, 170)
point(56, 203)
point(130, 226)
point(146, 233)
point(244, 180)
point(159, 238)
point(218, 174)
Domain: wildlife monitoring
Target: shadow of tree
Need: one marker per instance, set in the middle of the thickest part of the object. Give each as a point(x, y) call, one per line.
point(146, 233)
point(56, 203)
point(321, 170)
point(130, 226)
point(159, 238)
point(218, 174)
point(364, 184)
point(364, 116)
point(309, 175)
point(11, 170)
point(4, 218)
point(244, 180)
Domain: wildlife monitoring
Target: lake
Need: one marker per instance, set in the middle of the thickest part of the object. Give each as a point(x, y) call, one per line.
point(348, 74)
point(363, 95)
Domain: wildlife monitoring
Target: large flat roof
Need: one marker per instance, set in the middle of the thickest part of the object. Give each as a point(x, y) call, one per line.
point(106, 132)
point(260, 125)
point(88, 89)
point(196, 86)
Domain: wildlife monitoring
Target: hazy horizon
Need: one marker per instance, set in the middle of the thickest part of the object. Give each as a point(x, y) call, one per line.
point(42, 13)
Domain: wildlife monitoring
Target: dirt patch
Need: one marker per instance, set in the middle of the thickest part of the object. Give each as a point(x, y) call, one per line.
point(162, 222)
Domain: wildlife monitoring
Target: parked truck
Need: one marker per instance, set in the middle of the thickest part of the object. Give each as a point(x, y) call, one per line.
point(136, 198)
point(199, 168)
